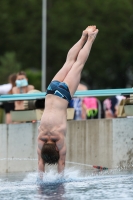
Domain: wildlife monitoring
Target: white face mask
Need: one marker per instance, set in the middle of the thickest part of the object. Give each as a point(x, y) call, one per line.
point(21, 83)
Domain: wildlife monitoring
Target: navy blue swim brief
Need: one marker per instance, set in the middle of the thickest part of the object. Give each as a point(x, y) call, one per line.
point(59, 89)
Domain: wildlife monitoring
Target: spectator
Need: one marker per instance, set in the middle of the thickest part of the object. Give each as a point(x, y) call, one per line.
point(85, 107)
point(82, 86)
point(21, 87)
point(110, 106)
point(77, 103)
point(90, 108)
point(8, 106)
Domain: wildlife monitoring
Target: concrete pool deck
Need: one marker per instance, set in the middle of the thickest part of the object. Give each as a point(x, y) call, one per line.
point(104, 142)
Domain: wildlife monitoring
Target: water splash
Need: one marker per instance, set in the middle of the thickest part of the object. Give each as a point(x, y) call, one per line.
point(73, 185)
point(71, 175)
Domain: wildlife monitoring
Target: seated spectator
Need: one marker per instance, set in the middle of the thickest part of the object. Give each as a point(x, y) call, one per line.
point(22, 86)
point(110, 106)
point(77, 103)
point(8, 106)
point(81, 86)
point(90, 107)
point(85, 107)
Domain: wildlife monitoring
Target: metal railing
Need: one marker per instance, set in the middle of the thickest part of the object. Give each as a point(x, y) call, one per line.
point(85, 93)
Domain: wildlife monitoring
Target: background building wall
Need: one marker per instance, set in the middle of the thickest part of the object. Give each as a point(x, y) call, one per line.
point(105, 142)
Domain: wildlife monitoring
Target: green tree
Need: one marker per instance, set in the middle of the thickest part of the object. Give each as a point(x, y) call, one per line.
point(111, 55)
point(34, 78)
point(20, 31)
point(8, 65)
point(110, 64)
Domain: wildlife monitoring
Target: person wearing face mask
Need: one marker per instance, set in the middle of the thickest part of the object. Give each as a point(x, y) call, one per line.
point(22, 86)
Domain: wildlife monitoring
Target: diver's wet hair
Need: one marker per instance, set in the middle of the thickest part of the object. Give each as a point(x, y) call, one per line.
point(49, 154)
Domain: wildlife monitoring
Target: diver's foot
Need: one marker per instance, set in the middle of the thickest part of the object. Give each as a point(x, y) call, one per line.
point(92, 32)
point(85, 34)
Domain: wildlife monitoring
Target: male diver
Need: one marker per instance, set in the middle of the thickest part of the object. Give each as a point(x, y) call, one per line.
point(53, 125)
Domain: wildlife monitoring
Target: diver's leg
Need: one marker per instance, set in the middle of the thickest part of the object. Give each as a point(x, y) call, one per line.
point(71, 57)
point(73, 77)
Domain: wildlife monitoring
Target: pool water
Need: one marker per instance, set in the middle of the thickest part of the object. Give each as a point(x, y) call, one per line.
point(74, 185)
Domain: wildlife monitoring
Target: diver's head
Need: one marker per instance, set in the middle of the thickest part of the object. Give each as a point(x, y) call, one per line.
point(50, 153)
